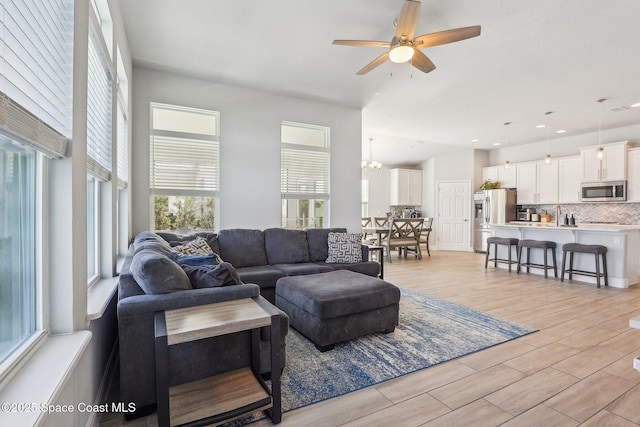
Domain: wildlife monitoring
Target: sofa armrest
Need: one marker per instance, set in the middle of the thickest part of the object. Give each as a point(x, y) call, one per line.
point(140, 305)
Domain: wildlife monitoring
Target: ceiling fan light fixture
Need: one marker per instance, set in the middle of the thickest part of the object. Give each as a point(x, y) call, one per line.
point(401, 54)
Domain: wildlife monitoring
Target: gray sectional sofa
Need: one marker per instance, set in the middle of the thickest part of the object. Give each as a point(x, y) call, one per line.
point(264, 256)
point(259, 257)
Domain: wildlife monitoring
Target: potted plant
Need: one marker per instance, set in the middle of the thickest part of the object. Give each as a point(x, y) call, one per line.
point(490, 185)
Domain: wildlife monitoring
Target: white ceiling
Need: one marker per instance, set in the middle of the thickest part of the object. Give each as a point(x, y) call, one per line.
point(532, 57)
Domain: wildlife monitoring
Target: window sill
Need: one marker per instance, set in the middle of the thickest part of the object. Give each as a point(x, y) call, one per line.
point(98, 297)
point(42, 377)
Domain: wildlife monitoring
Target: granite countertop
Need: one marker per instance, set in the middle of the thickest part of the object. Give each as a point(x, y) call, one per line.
point(579, 226)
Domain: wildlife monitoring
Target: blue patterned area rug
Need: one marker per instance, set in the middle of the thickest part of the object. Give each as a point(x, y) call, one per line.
point(430, 331)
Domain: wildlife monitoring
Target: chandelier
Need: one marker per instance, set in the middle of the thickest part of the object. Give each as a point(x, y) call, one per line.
point(370, 166)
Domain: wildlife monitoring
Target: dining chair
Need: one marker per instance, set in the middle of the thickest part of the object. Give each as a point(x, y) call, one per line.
point(404, 233)
point(367, 236)
point(424, 235)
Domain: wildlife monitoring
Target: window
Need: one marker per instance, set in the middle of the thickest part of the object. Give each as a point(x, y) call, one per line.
point(99, 135)
point(93, 240)
point(36, 40)
point(184, 154)
point(18, 236)
point(304, 171)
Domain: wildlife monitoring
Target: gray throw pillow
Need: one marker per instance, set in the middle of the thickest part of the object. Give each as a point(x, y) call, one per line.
point(211, 276)
point(155, 273)
point(344, 248)
point(198, 259)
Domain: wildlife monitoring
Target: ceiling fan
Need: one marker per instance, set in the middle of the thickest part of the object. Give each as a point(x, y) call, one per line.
point(404, 47)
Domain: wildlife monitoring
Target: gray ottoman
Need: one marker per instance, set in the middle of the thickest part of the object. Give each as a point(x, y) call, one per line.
point(337, 306)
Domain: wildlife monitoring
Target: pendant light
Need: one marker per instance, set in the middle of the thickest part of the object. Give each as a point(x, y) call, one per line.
point(506, 143)
point(600, 152)
point(371, 166)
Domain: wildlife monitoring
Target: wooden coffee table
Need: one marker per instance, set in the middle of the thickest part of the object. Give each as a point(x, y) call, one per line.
point(228, 395)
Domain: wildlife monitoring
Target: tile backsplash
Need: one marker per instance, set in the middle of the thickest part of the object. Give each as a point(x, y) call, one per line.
point(628, 213)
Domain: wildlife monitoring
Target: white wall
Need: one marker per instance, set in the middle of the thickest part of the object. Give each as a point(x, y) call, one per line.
point(249, 148)
point(559, 147)
point(379, 192)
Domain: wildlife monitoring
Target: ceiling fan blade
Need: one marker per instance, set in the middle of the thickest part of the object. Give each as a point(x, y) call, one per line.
point(447, 36)
point(373, 64)
point(421, 62)
point(363, 43)
point(408, 19)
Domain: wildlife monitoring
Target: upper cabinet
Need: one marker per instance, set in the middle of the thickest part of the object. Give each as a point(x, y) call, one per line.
point(537, 182)
point(611, 165)
point(633, 181)
point(406, 187)
point(569, 179)
point(506, 176)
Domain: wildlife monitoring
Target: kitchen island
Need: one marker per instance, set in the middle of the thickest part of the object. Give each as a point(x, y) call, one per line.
point(622, 242)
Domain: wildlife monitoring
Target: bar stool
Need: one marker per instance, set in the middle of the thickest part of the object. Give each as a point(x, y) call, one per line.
point(545, 245)
point(495, 241)
point(597, 250)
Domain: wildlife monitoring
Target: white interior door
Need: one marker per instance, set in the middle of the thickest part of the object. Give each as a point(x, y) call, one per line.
point(454, 227)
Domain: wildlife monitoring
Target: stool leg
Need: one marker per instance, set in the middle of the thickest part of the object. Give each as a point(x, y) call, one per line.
point(495, 255)
point(509, 257)
point(486, 258)
point(545, 263)
point(604, 268)
point(570, 265)
point(555, 267)
point(528, 259)
point(519, 250)
point(597, 271)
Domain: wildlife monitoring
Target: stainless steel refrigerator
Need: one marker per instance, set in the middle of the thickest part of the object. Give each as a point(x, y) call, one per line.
point(491, 207)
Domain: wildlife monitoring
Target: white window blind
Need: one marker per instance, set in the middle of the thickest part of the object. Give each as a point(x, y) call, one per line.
point(36, 40)
point(304, 161)
point(184, 166)
point(122, 147)
point(184, 151)
point(99, 105)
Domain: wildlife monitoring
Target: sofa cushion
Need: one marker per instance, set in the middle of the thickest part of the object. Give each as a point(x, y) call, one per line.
point(344, 248)
point(212, 276)
point(157, 274)
point(318, 246)
point(370, 268)
point(286, 246)
point(198, 259)
point(301, 268)
point(147, 236)
point(264, 275)
point(154, 245)
point(242, 247)
point(193, 247)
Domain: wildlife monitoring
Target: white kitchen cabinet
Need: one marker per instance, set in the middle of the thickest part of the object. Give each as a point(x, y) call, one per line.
point(537, 182)
point(547, 180)
point(506, 176)
point(611, 167)
point(633, 175)
point(527, 186)
point(569, 179)
point(406, 187)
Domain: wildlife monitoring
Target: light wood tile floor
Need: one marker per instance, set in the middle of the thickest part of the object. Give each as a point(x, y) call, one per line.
point(577, 370)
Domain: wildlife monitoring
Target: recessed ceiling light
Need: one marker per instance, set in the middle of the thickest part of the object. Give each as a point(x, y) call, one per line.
point(540, 126)
point(496, 143)
point(475, 140)
point(636, 105)
point(561, 131)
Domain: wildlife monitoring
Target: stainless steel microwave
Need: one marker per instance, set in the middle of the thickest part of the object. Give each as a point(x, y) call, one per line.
point(606, 191)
